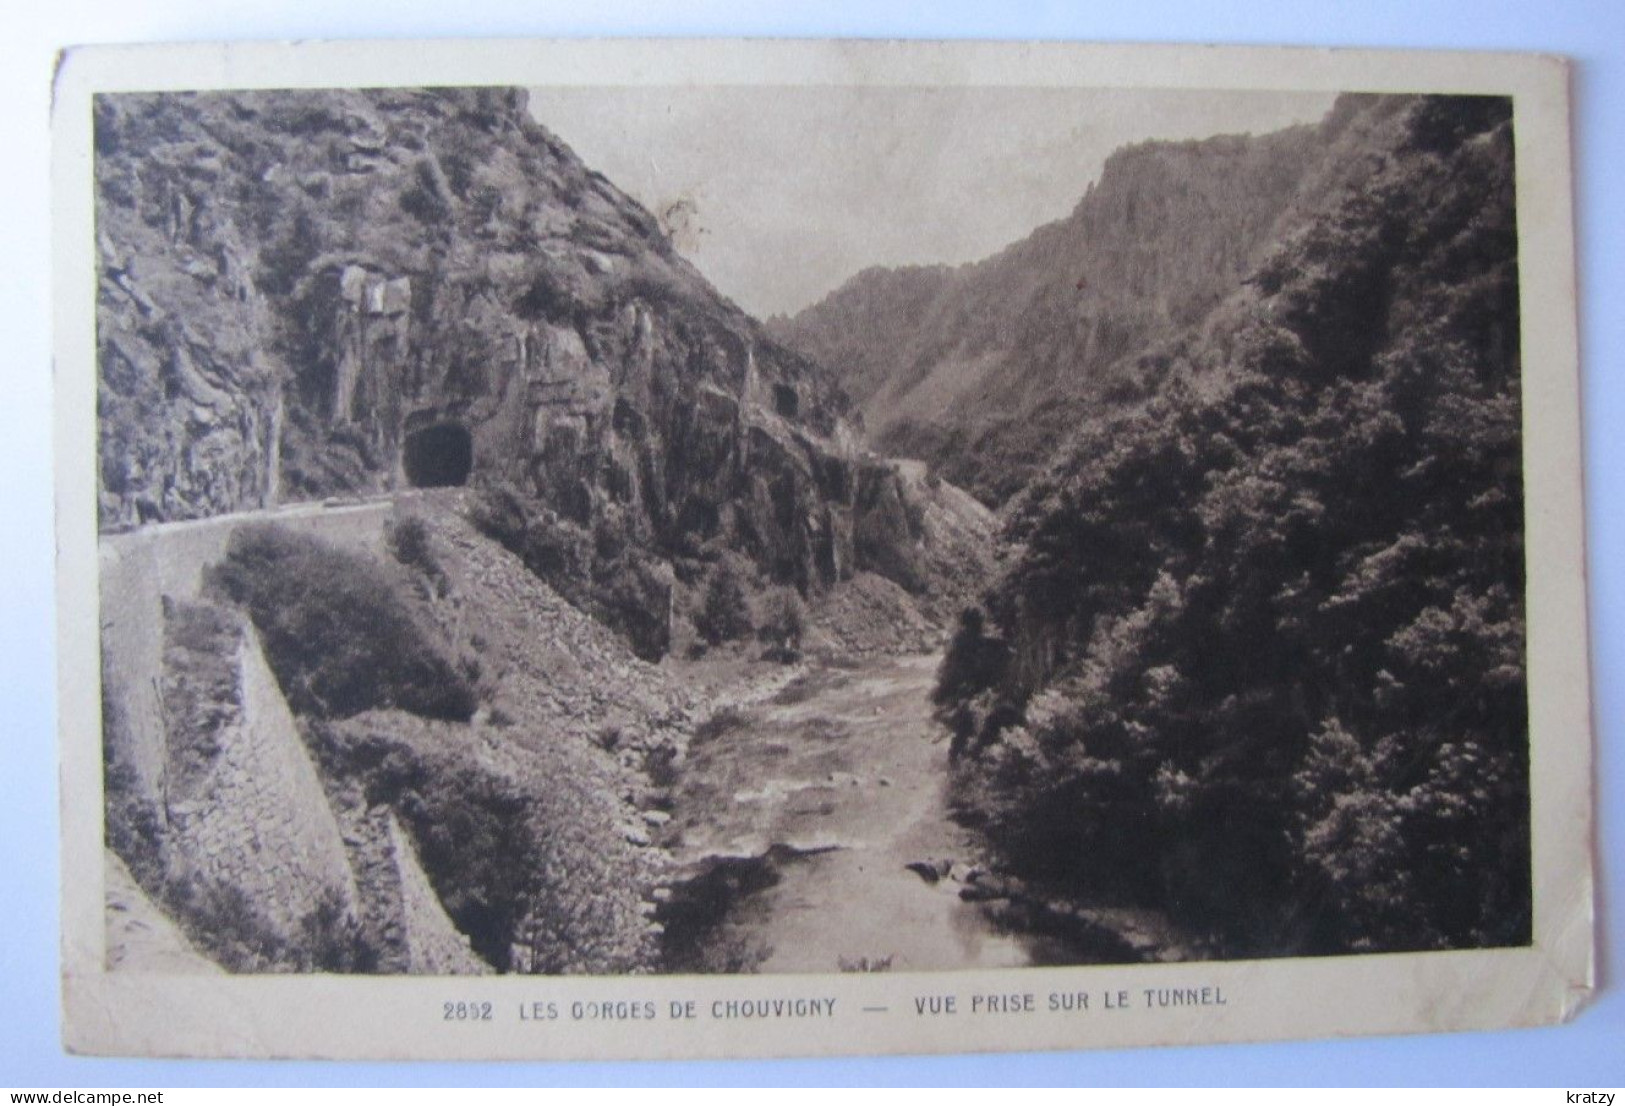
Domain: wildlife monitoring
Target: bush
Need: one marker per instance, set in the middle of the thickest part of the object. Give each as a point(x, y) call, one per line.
point(409, 543)
point(339, 633)
point(599, 573)
point(529, 863)
point(331, 939)
point(973, 661)
point(784, 623)
point(219, 919)
point(723, 721)
point(133, 826)
point(424, 200)
point(724, 614)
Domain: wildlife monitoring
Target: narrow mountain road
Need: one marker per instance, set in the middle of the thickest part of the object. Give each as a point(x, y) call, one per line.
point(840, 778)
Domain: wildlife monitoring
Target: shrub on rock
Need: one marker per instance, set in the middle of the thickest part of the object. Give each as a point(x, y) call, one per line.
point(339, 631)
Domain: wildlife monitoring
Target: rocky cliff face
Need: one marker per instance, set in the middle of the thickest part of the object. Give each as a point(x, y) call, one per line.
point(980, 369)
point(304, 294)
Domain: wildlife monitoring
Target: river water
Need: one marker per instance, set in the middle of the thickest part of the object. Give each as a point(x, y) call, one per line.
point(839, 780)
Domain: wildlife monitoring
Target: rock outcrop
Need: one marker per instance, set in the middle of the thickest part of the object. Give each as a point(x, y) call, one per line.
point(305, 294)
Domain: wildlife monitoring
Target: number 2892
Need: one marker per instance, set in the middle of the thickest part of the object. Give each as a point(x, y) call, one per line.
point(465, 1011)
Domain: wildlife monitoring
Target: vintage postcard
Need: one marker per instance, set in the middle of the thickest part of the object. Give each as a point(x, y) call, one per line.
point(693, 549)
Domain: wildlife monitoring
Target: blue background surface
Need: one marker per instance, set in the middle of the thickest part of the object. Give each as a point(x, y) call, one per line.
point(1590, 1051)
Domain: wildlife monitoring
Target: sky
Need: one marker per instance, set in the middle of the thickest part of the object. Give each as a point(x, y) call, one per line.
point(779, 195)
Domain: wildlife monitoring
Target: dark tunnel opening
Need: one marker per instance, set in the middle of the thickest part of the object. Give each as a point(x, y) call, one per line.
point(439, 456)
point(785, 400)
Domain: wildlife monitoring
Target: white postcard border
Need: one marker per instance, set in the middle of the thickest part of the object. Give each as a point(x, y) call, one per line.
point(400, 1018)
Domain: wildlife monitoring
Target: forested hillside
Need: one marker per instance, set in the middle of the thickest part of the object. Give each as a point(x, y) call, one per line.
point(1258, 657)
point(980, 369)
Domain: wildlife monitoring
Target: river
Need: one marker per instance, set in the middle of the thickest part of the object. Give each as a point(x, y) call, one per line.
point(805, 810)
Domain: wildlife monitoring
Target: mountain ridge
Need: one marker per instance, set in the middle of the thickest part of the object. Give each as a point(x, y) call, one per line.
point(980, 368)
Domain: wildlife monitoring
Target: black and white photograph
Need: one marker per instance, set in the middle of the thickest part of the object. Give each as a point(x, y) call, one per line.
point(752, 530)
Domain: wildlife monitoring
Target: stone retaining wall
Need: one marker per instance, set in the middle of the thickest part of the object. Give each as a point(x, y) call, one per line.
point(260, 822)
point(138, 569)
point(256, 819)
point(434, 945)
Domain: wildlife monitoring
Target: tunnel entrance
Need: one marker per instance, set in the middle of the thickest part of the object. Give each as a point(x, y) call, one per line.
point(439, 456)
point(785, 400)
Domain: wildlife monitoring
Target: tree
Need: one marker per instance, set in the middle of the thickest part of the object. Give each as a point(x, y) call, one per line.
point(784, 623)
point(725, 612)
point(973, 661)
